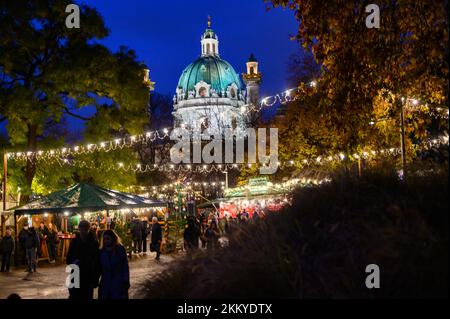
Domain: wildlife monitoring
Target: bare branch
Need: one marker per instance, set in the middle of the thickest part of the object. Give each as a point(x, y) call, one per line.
point(68, 112)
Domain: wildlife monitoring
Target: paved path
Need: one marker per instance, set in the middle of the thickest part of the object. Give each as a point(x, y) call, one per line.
point(49, 280)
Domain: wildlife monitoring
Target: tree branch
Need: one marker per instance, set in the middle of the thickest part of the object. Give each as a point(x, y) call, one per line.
point(68, 112)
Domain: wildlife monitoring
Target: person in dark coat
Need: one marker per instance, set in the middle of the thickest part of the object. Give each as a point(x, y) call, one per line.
point(227, 227)
point(212, 237)
point(244, 216)
point(156, 238)
point(203, 227)
point(52, 242)
point(7, 248)
point(84, 252)
point(94, 230)
point(145, 231)
point(29, 240)
point(113, 224)
point(136, 234)
point(115, 274)
point(256, 216)
point(42, 232)
point(191, 236)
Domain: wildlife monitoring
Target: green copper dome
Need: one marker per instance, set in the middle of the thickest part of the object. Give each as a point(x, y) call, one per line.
point(211, 69)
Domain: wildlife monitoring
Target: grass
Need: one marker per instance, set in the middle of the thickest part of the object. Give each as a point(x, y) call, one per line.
point(320, 247)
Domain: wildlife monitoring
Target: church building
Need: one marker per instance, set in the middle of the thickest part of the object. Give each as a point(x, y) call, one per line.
point(210, 95)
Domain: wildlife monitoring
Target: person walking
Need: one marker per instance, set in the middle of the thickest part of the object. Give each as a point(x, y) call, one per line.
point(29, 240)
point(94, 230)
point(244, 216)
point(191, 236)
point(227, 227)
point(156, 237)
point(115, 273)
point(145, 231)
point(212, 237)
point(136, 234)
point(113, 224)
point(255, 216)
point(52, 242)
point(7, 249)
point(84, 253)
point(203, 227)
point(42, 232)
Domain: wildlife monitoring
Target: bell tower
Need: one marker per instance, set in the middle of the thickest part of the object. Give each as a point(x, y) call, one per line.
point(252, 80)
point(210, 41)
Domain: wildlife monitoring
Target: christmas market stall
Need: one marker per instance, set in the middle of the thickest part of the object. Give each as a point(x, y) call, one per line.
point(104, 208)
point(258, 195)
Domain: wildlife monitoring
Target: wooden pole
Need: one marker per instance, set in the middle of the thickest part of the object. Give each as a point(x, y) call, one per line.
point(16, 239)
point(402, 138)
point(16, 233)
point(5, 180)
point(359, 167)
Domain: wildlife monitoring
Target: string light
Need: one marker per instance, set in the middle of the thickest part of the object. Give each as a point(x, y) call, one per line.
point(106, 146)
point(151, 136)
point(319, 160)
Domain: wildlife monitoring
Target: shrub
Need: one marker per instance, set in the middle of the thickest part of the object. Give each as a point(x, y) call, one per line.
point(320, 246)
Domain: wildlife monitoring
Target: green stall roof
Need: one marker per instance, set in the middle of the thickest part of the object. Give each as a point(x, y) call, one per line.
point(86, 197)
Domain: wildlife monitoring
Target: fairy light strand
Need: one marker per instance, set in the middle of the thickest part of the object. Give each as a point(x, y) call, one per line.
point(284, 97)
point(210, 168)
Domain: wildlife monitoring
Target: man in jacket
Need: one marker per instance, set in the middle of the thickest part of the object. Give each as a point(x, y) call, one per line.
point(136, 233)
point(29, 239)
point(156, 237)
point(52, 242)
point(7, 247)
point(191, 236)
point(145, 230)
point(84, 252)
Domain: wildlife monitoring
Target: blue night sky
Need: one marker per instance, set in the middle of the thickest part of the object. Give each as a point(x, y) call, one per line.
point(166, 37)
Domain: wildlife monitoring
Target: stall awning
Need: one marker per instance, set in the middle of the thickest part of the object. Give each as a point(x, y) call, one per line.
point(212, 203)
point(84, 197)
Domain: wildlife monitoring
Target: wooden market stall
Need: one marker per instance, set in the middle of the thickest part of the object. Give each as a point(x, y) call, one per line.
point(81, 201)
point(258, 194)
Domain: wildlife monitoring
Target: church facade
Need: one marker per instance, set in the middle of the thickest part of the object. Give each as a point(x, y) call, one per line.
point(210, 95)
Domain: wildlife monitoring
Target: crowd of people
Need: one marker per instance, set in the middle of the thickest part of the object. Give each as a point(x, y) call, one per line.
point(207, 230)
point(103, 260)
point(140, 229)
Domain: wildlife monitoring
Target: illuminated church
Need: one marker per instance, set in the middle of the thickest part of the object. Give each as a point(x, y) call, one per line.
point(210, 94)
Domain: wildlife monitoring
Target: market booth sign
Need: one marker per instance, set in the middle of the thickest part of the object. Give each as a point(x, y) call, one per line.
point(256, 186)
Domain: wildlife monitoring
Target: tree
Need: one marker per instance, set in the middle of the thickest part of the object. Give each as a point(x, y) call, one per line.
point(160, 109)
point(302, 67)
point(366, 68)
point(48, 72)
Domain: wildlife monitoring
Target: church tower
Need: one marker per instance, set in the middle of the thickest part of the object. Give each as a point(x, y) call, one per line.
point(210, 41)
point(252, 80)
point(210, 94)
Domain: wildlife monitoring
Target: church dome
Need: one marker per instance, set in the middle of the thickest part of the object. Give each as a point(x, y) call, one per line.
point(211, 69)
